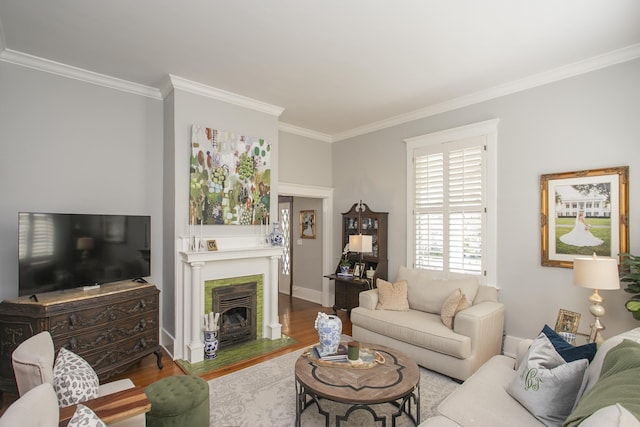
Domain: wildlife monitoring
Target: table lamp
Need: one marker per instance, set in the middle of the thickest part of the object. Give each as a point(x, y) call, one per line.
point(361, 244)
point(597, 273)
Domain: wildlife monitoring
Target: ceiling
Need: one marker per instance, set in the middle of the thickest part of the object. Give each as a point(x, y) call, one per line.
point(338, 68)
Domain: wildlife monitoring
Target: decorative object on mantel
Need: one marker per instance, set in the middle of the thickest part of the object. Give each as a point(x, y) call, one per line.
point(329, 329)
point(230, 178)
point(212, 245)
point(596, 273)
point(276, 238)
point(630, 276)
point(584, 212)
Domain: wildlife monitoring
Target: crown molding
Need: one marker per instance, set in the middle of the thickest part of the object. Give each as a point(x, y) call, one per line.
point(618, 56)
point(296, 130)
point(68, 71)
point(221, 95)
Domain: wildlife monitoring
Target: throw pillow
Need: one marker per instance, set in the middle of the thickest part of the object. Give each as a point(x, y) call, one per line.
point(392, 296)
point(568, 352)
point(618, 384)
point(85, 417)
point(456, 302)
point(545, 384)
point(74, 380)
point(428, 293)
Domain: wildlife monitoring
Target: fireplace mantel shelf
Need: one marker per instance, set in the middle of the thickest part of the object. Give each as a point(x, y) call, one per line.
point(228, 254)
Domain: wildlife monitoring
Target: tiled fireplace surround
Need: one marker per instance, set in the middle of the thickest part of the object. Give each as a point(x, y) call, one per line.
point(236, 257)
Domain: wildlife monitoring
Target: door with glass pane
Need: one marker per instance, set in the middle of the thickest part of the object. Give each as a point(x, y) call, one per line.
point(285, 281)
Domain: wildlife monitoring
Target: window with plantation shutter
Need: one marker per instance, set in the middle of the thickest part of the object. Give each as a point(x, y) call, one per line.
point(448, 197)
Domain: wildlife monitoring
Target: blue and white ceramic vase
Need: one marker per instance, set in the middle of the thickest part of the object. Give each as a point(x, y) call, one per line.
point(276, 237)
point(210, 344)
point(329, 329)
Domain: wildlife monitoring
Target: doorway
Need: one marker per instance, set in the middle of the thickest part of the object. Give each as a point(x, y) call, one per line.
point(325, 215)
point(285, 271)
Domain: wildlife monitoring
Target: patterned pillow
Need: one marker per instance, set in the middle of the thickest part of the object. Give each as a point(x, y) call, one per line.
point(392, 296)
point(85, 417)
point(456, 302)
point(74, 380)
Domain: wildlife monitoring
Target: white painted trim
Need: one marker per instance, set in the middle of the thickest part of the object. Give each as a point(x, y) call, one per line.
point(220, 95)
point(296, 130)
point(3, 45)
point(68, 71)
point(306, 294)
point(618, 56)
point(326, 194)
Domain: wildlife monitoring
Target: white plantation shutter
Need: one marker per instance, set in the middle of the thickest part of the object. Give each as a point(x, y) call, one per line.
point(449, 206)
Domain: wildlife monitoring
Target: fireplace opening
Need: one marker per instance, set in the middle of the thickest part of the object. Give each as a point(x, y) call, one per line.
point(237, 305)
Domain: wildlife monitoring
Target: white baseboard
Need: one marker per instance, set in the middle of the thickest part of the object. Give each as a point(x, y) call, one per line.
point(167, 342)
point(307, 294)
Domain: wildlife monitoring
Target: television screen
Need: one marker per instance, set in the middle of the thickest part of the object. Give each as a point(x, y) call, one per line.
point(61, 251)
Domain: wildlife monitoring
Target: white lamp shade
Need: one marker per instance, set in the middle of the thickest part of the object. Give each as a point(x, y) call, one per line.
point(596, 273)
point(360, 243)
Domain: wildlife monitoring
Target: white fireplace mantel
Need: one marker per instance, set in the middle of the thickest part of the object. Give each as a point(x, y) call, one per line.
point(199, 267)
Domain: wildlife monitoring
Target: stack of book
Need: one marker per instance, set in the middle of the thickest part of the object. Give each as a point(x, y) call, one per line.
point(339, 355)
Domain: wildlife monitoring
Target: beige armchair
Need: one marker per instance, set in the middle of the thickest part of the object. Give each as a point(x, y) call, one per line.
point(21, 412)
point(33, 362)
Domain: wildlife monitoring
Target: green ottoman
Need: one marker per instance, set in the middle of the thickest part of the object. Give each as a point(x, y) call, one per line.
point(181, 400)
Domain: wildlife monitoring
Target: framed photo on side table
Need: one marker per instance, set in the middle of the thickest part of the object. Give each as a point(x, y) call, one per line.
point(568, 321)
point(583, 213)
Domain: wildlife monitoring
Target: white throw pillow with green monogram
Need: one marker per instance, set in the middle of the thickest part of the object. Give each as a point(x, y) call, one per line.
point(545, 384)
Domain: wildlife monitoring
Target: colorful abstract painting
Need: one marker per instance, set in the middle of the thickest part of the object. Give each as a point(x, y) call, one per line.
point(230, 180)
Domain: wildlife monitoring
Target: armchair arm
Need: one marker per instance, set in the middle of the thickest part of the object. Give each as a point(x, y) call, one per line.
point(368, 299)
point(484, 324)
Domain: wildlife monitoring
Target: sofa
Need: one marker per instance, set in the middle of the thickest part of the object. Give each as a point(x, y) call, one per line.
point(451, 325)
point(607, 391)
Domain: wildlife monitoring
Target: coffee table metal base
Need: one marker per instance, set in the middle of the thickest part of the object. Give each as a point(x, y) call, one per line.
point(305, 398)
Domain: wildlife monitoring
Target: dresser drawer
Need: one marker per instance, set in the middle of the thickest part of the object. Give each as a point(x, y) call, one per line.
point(101, 315)
point(106, 357)
point(84, 341)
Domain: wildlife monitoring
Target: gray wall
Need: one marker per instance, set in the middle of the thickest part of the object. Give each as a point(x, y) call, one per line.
point(69, 146)
point(585, 122)
point(305, 161)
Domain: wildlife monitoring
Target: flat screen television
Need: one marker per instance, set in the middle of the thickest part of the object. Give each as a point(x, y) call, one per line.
point(58, 251)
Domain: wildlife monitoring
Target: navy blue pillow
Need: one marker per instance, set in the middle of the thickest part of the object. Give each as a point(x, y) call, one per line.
point(568, 352)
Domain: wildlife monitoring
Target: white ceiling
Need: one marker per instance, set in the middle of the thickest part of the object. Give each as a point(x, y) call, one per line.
point(337, 67)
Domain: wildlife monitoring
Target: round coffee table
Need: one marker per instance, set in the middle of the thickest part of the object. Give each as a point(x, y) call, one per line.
point(395, 382)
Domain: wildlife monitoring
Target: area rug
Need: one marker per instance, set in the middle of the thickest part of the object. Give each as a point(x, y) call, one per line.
point(236, 354)
point(264, 395)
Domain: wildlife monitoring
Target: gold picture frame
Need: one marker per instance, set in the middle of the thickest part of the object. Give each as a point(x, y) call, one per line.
point(582, 213)
point(308, 224)
point(568, 321)
point(212, 245)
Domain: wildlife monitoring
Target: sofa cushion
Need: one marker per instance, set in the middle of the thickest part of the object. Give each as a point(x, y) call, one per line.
point(545, 384)
point(427, 293)
point(612, 416)
point(452, 305)
point(618, 383)
point(74, 380)
point(392, 296)
point(482, 399)
point(414, 327)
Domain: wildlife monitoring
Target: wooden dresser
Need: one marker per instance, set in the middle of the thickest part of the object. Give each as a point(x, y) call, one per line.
point(111, 327)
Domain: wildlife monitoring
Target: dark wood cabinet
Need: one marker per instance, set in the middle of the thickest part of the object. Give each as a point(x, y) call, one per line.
point(361, 220)
point(111, 327)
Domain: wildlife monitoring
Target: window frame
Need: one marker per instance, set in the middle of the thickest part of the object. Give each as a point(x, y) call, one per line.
point(489, 130)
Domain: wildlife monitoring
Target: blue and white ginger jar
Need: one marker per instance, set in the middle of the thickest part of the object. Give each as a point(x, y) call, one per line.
point(329, 329)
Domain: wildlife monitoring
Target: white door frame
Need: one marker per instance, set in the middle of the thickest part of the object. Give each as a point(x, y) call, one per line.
point(326, 194)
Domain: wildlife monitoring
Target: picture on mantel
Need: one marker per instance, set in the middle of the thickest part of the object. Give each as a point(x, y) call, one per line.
point(230, 178)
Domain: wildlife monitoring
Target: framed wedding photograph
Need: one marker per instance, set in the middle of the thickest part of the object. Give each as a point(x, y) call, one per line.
point(308, 224)
point(568, 321)
point(582, 213)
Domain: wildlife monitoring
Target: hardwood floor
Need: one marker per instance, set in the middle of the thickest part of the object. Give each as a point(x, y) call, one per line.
point(296, 316)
